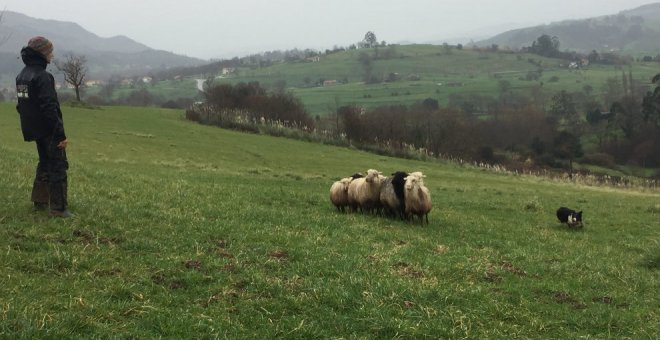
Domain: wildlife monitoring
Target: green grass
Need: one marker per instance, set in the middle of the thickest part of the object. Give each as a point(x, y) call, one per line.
point(478, 72)
point(189, 231)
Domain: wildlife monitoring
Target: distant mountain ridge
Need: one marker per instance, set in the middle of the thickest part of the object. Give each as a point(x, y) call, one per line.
point(118, 55)
point(636, 29)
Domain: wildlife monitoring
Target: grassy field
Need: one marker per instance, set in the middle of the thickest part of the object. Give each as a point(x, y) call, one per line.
point(470, 72)
point(189, 231)
point(440, 73)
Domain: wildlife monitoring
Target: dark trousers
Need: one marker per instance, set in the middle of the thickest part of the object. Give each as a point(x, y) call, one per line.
point(50, 182)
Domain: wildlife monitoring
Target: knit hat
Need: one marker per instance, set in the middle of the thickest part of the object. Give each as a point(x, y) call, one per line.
point(41, 45)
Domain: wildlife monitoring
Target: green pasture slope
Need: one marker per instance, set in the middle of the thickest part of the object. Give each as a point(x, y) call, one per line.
point(186, 231)
point(440, 73)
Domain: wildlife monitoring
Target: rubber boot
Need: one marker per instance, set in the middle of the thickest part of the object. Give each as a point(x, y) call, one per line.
point(58, 200)
point(40, 195)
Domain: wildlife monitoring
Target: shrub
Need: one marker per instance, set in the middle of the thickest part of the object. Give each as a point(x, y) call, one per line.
point(601, 159)
point(533, 205)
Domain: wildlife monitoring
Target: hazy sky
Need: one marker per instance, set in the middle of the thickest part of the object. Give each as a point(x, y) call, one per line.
point(221, 29)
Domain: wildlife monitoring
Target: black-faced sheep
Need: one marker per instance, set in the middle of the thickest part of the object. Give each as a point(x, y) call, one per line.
point(391, 195)
point(364, 193)
point(417, 197)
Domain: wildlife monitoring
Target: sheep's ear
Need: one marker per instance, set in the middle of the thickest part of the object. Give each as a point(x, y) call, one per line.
point(405, 178)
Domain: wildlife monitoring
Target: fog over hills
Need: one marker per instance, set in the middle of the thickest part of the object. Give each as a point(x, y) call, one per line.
point(636, 29)
point(118, 55)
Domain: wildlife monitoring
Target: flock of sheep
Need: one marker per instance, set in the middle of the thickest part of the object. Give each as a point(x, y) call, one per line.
point(402, 195)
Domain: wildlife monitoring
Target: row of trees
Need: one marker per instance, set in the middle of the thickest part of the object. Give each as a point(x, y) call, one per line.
point(526, 128)
point(515, 129)
point(548, 46)
point(245, 103)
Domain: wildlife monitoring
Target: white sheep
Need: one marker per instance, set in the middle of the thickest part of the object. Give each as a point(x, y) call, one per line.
point(339, 193)
point(364, 193)
point(417, 197)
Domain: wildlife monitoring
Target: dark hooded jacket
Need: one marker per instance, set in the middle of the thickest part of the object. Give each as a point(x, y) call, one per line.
point(38, 105)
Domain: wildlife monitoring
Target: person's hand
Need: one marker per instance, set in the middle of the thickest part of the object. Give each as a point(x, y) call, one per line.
point(62, 145)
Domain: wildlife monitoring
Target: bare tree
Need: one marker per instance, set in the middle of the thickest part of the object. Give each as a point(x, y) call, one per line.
point(74, 70)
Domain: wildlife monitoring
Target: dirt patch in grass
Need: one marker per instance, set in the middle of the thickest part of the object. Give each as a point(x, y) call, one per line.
point(230, 296)
point(407, 270)
point(88, 237)
point(609, 301)
point(106, 272)
point(279, 254)
point(374, 258)
point(222, 244)
point(230, 267)
point(193, 264)
point(493, 271)
point(172, 284)
point(224, 253)
point(177, 284)
point(507, 266)
point(565, 298)
point(603, 299)
point(492, 276)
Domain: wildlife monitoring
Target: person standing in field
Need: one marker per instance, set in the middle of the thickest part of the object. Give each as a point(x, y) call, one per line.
point(41, 121)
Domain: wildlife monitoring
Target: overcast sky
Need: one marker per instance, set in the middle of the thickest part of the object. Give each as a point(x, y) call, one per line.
point(223, 29)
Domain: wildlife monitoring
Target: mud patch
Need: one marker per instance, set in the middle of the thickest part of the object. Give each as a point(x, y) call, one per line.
point(105, 272)
point(603, 299)
point(221, 244)
point(492, 276)
point(374, 258)
point(224, 253)
point(565, 298)
point(507, 266)
point(280, 255)
point(172, 284)
point(609, 301)
point(177, 284)
point(88, 237)
point(193, 264)
point(493, 271)
point(230, 267)
point(407, 270)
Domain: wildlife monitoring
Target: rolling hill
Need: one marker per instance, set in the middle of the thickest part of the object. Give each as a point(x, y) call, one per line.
point(118, 55)
point(632, 30)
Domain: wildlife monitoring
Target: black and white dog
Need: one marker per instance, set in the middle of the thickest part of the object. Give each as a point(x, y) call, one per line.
point(569, 216)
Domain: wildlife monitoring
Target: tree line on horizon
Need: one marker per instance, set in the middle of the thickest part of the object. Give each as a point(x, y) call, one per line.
point(512, 129)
